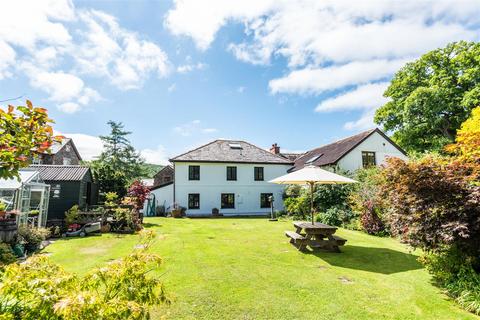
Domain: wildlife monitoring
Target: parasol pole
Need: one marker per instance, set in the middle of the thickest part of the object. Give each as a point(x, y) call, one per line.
point(311, 200)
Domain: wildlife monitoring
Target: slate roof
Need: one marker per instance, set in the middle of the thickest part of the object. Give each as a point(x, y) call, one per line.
point(61, 172)
point(221, 151)
point(57, 146)
point(291, 156)
point(331, 153)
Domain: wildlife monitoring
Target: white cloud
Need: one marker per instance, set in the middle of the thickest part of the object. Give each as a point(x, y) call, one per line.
point(56, 45)
point(155, 156)
point(363, 97)
point(69, 107)
point(185, 68)
point(191, 128)
point(7, 59)
point(317, 80)
point(363, 123)
point(114, 52)
point(330, 45)
point(88, 146)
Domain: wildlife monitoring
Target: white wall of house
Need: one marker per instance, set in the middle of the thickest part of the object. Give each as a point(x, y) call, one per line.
point(213, 182)
point(375, 143)
point(164, 196)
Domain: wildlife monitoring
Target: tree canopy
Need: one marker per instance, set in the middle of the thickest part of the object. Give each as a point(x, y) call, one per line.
point(432, 96)
point(119, 164)
point(25, 131)
point(467, 144)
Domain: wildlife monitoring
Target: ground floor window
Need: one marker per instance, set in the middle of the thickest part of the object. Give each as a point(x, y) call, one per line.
point(194, 201)
point(228, 201)
point(265, 200)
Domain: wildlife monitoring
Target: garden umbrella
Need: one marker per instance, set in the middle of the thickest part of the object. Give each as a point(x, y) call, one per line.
point(312, 175)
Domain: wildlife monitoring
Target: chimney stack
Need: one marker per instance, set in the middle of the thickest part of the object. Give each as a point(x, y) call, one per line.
point(275, 149)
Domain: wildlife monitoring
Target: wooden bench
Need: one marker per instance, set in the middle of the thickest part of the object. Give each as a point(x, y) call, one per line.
point(296, 239)
point(340, 241)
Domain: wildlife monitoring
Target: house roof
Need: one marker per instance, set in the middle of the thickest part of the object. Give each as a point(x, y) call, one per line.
point(291, 156)
point(57, 146)
point(167, 167)
point(61, 172)
point(333, 152)
point(231, 151)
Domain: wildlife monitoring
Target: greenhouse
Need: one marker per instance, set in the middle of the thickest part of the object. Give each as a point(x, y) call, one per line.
point(27, 197)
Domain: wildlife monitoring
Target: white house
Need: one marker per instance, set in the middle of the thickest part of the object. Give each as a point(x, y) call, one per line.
point(233, 176)
point(365, 149)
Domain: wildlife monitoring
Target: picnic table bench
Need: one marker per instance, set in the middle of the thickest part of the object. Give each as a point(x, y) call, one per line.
point(316, 236)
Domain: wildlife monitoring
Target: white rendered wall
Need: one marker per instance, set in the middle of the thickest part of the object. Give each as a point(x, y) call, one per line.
point(164, 197)
point(376, 143)
point(213, 182)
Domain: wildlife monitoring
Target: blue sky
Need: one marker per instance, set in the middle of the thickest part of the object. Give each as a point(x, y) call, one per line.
point(181, 73)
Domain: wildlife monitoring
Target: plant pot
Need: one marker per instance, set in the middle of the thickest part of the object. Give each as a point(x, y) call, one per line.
point(8, 229)
point(177, 213)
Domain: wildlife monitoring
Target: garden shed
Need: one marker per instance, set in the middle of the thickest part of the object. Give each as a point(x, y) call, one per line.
point(28, 196)
point(69, 185)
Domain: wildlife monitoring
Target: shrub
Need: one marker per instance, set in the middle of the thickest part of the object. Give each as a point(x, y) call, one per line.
point(40, 289)
point(31, 237)
point(7, 255)
point(335, 216)
point(299, 206)
point(451, 270)
point(366, 200)
point(435, 204)
point(71, 216)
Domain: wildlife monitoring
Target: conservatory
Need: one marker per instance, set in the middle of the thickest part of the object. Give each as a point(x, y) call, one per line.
point(27, 196)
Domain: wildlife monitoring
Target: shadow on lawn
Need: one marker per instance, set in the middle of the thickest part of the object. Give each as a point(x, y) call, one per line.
point(378, 260)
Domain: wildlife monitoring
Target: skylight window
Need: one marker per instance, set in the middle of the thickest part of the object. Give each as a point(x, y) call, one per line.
point(235, 146)
point(314, 158)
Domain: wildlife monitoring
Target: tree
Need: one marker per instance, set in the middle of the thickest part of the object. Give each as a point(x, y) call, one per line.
point(467, 145)
point(25, 131)
point(119, 164)
point(432, 96)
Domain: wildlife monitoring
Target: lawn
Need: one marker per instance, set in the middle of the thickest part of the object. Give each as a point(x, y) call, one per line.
point(246, 269)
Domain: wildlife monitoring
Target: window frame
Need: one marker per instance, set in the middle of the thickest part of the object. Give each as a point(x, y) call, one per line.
point(366, 157)
point(256, 175)
point(263, 205)
point(192, 175)
point(191, 200)
point(222, 204)
point(231, 173)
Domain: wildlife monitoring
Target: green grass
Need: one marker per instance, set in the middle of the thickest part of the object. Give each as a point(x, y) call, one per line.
point(246, 269)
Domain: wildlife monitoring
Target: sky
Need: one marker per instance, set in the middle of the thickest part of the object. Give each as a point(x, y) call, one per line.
point(181, 73)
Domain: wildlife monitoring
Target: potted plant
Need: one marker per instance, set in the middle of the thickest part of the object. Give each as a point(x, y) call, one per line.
point(177, 211)
point(8, 224)
point(215, 212)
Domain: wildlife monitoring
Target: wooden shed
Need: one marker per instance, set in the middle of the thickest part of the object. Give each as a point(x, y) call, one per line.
point(69, 185)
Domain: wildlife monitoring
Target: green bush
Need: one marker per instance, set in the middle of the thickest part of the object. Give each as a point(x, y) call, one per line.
point(335, 216)
point(71, 216)
point(31, 237)
point(456, 274)
point(7, 255)
point(40, 289)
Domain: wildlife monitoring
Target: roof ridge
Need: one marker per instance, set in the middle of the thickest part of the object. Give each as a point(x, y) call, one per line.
point(204, 145)
point(273, 154)
point(337, 141)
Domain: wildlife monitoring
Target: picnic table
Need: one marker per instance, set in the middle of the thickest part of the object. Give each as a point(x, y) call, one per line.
point(315, 236)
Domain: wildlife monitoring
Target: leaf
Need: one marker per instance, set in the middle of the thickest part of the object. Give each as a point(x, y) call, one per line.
point(29, 104)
